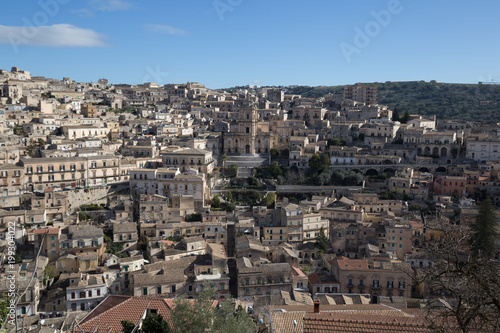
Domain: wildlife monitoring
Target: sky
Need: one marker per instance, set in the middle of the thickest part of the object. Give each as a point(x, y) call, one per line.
point(224, 43)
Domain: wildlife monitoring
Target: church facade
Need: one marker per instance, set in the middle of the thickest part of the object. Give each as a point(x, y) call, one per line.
point(248, 135)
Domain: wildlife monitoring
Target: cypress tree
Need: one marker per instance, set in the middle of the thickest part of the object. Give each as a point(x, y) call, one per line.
point(484, 230)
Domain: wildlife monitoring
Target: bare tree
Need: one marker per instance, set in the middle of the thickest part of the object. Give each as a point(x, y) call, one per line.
point(463, 290)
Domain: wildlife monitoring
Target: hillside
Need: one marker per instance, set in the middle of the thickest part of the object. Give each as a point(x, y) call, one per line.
point(446, 100)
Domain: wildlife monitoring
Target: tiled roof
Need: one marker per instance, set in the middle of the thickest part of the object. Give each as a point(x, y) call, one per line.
point(283, 321)
point(50, 231)
point(276, 268)
point(360, 323)
point(346, 263)
point(160, 277)
point(125, 227)
point(107, 316)
point(297, 272)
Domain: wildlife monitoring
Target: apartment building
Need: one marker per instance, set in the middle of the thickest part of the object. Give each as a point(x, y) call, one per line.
point(377, 278)
point(480, 148)
point(85, 291)
point(11, 180)
point(65, 172)
point(263, 279)
point(189, 158)
point(168, 182)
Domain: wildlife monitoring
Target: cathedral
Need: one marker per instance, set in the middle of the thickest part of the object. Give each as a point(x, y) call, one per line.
point(248, 135)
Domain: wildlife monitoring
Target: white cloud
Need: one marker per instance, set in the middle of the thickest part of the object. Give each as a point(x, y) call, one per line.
point(165, 29)
point(58, 35)
point(111, 5)
point(84, 12)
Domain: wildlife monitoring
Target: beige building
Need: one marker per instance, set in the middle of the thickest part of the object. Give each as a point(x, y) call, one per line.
point(377, 278)
point(189, 158)
point(11, 180)
point(248, 135)
point(65, 172)
point(263, 279)
point(168, 182)
point(483, 148)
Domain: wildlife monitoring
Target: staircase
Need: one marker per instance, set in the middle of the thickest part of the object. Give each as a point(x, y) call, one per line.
point(247, 162)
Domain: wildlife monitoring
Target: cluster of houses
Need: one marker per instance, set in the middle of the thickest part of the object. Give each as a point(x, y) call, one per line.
point(110, 189)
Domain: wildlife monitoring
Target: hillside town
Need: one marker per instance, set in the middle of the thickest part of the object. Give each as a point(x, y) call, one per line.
point(122, 197)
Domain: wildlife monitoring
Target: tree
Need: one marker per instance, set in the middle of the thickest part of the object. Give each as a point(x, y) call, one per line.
point(470, 284)
point(484, 230)
point(269, 199)
point(155, 323)
point(128, 326)
point(324, 177)
point(203, 315)
point(275, 170)
point(4, 307)
point(216, 201)
point(274, 152)
point(405, 118)
point(230, 207)
point(252, 181)
point(318, 163)
point(322, 241)
point(395, 115)
point(335, 142)
point(51, 272)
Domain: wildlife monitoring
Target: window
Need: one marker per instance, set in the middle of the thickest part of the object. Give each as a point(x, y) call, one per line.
point(39, 169)
point(158, 290)
point(62, 167)
point(376, 284)
point(390, 284)
point(173, 289)
point(361, 282)
point(144, 291)
point(51, 168)
point(98, 292)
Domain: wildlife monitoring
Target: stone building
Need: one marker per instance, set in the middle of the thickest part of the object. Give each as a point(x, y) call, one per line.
point(248, 135)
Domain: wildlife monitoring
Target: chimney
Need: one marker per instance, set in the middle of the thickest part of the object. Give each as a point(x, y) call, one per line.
point(316, 305)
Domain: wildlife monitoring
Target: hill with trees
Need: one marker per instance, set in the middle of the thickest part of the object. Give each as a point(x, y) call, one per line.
point(474, 102)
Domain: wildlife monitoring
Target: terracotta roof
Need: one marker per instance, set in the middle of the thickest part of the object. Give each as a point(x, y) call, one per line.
point(283, 321)
point(297, 272)
point(346, 263)
point(359, 323)
point(107, 316)
point(50, 231)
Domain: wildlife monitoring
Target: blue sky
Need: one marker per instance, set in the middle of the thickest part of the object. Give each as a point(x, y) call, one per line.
point(222, 43)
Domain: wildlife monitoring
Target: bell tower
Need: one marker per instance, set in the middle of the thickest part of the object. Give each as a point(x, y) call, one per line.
point(247, 129)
